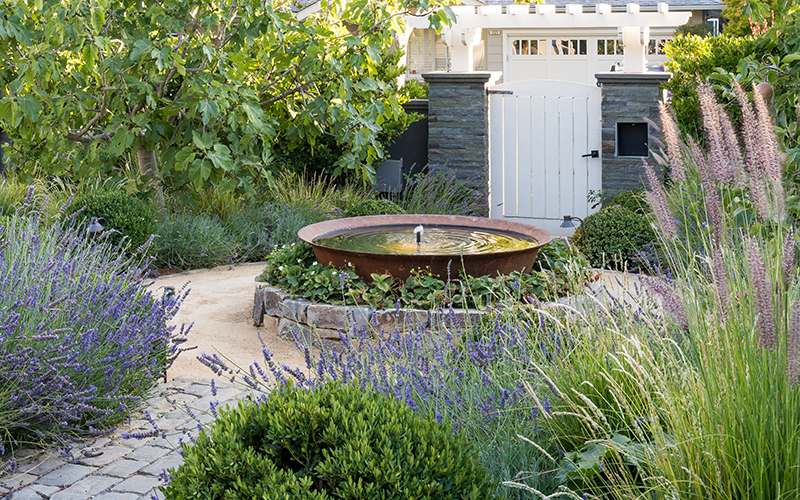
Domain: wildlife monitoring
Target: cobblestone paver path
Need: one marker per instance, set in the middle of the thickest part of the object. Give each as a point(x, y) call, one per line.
point(113, 468)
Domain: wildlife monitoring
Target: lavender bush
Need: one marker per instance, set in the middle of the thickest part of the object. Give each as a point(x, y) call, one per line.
point(81, 339)
point(439, 192)
point(470, 376)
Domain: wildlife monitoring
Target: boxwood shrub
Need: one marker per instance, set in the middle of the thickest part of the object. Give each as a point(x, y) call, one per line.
point(612, 236)
point(332, 442)
point(373, 207)
point(118, 210)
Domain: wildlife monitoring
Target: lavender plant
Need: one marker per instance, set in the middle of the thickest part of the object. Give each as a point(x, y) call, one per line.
point(439, 192)
point(81, 339)
point(468, 375)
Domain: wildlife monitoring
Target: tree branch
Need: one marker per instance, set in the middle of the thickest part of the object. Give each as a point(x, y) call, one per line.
point(86, 139)
point(287, 93)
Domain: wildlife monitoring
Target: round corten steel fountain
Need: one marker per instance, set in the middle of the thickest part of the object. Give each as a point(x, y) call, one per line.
point(381, 261)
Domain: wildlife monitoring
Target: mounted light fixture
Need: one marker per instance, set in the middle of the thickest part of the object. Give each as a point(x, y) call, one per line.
point(94, 226)
point(567, 223)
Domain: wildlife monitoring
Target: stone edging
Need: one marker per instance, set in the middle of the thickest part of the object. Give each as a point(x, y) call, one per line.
point(278, 311)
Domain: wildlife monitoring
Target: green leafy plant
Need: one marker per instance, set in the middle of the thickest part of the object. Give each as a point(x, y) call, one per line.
point(189, 99)
point(373, 207)
point(563, 270)
point(331, 442)
point(127, 215)
point(612, 235)
point(250, 229)
point(692, 58)
point(188, 241)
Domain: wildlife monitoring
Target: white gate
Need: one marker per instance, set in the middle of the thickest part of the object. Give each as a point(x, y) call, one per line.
point(542, 138)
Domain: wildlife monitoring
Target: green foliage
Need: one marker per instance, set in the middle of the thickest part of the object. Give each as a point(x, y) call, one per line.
point(692, 58)
point(295, 270)
point(117, 210)
point(611, 236)
point(331, 442)
point(414, 89)
point(208, 90)
point(317, 157)
point(188, 241)
point(633, 200)
point(249, 229)
point(373, 207)
point(11, 195)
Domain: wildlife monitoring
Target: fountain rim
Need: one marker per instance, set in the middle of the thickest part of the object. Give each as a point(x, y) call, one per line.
point(317, 230)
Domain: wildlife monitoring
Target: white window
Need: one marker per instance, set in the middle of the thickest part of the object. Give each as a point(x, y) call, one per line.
point(526, 47)
point(574, 47)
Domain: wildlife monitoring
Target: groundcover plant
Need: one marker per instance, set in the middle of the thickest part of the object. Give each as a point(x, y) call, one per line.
point(81, 339)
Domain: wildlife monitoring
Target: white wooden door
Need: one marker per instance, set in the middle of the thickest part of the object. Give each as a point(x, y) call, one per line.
point(541, 138)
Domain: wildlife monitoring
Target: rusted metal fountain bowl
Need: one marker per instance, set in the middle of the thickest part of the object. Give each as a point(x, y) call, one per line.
point(400, 266)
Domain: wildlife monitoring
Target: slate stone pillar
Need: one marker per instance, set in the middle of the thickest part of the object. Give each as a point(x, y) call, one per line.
point(458, 127)
point(628, 98)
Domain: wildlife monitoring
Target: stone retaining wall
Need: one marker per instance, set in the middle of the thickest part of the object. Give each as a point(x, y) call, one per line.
point(278, 311)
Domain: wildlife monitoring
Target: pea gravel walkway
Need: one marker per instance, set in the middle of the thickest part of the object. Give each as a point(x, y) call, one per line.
point(113, 468)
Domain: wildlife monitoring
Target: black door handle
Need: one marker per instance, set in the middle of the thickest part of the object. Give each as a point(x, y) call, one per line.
point(594, 154)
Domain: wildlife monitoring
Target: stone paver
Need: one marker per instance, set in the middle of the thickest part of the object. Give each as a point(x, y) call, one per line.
point(138, 484)
point(173, 460)
point(113, 468)
point(86, 488)
point(66, 475)
point(148, 453)
point(107, 455)
point(123, 468)
point(117, 496)
point(33, 492)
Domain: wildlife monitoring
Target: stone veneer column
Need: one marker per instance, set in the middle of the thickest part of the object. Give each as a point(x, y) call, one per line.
point(628, 98)
point(458, 126)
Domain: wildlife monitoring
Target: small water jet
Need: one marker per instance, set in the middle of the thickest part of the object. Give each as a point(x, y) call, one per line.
point(397, 244)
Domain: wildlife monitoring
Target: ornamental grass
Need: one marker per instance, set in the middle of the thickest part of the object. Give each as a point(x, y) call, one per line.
point(700, 400)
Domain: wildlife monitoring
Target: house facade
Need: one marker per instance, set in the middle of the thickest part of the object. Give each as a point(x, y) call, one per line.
point(551, 41)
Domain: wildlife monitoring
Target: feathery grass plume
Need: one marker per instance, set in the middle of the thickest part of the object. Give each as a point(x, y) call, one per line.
point(762, 295)
point(670, 130)
point(768, 146)
point(718, 149)
point(749, 133)
point(720, 276)
point(789, 255)
point(670, 300)
point(734, 151)
point(698, 156)
point(657, 199)
point(714, 212)
point(793, 347)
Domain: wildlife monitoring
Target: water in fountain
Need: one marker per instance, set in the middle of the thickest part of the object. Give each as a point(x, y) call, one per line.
point(434, 240)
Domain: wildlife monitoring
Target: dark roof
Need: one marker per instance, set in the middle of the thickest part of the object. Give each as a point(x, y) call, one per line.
point(645, 4)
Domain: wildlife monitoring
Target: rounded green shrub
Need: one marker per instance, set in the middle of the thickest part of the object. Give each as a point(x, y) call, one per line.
point(378, 206)
point(333, 442)
point(118, 210)
point(633, 200)
point(611, 236)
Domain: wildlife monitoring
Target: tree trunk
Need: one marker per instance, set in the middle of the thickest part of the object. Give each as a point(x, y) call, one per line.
point(149, 166)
